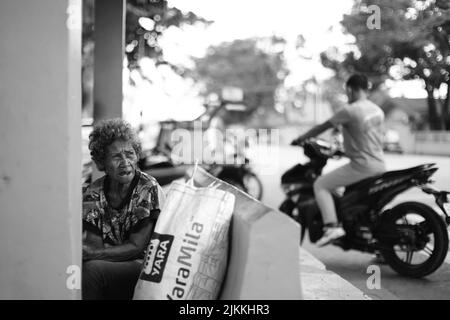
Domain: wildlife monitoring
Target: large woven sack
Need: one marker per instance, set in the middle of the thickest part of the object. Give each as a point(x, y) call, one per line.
point(264, 249)
point(187, 255)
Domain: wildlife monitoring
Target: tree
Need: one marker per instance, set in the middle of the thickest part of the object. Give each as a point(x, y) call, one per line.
point(139, 42)
point(414, 38)
point(145, 42)
point(254, 65)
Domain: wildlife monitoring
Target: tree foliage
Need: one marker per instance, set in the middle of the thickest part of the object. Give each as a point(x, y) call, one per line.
point(413, 41)
point(254, 65)
point(163, 17)
point(139, 42)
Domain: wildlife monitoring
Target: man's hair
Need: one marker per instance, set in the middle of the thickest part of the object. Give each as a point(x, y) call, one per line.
point(108, 131)
point(358, 82)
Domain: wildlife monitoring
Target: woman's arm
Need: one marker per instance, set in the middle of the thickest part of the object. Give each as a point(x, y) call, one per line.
point(139, 237)
point(92, 236)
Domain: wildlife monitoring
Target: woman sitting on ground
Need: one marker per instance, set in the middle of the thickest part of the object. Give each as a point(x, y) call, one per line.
point(119, 213)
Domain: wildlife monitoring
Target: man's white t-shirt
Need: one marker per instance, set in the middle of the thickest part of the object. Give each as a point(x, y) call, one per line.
point(363, 130)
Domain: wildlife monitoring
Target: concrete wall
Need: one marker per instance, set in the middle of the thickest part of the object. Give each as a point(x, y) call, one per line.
point(424, 142)
point(40, 147)
point(411, 142)
point(432, 142)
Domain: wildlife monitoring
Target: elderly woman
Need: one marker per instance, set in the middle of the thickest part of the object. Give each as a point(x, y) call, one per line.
point(119, 213)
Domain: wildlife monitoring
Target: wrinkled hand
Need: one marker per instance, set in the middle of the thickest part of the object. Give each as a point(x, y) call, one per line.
point(88, 252)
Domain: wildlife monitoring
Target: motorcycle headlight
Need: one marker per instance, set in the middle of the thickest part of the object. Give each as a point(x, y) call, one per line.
point(295, 198)
point(285, 188)
point(291, 187)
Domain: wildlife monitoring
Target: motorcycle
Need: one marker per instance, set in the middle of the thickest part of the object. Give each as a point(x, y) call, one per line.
point(411, 236)
point(240, 176)
point(158, 163)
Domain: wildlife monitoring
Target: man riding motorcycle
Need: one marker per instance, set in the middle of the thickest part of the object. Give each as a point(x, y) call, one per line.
point(362, 124)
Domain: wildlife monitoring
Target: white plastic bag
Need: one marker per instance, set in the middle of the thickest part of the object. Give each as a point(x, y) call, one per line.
point(187, 255)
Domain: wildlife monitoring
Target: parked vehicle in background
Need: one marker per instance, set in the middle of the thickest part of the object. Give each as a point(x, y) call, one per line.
point(392, 141)
point(159, 163)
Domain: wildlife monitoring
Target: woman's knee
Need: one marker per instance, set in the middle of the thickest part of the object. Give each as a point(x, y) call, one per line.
point(93, 280)
point(93, 268)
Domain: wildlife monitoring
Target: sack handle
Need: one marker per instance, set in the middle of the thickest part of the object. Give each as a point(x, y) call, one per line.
point(214, 184)
point(190, 182)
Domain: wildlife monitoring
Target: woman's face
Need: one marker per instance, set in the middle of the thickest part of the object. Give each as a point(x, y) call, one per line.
point(121, 161)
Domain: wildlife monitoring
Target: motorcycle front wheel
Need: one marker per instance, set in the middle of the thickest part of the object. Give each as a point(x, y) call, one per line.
point(253, 185)
point(235, 183)
point(415, 241)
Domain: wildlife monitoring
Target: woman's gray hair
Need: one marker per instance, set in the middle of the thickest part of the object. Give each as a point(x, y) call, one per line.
point(105, 133)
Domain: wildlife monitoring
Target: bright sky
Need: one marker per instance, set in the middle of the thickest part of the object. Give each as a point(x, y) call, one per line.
point(317, 20)
point(238, 19)
point(247, 18)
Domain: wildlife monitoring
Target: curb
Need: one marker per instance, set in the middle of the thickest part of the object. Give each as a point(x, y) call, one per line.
point(318, 283)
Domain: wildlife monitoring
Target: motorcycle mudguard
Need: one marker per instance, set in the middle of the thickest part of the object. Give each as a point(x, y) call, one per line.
point(231, 173)
point(295, 174)
point(311, 219)
point(287, 206)
point(316, 228)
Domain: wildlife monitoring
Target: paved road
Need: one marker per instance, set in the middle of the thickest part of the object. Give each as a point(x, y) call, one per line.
point(352, 265)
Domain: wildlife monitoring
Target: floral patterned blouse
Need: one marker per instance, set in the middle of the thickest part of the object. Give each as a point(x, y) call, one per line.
point(144, 200)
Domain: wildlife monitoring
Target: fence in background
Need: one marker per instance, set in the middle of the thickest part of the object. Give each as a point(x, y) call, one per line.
point(419, 142)
point(432, 142)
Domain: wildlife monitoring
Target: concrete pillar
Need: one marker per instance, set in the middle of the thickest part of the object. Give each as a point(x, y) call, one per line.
point(40, 148)
point(108, 58)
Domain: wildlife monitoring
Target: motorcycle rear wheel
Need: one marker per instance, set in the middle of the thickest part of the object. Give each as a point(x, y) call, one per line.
point(427, 239)
point(235, 183)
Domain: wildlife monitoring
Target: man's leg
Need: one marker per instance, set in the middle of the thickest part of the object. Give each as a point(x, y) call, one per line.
point(109, 280)
point(323, 188)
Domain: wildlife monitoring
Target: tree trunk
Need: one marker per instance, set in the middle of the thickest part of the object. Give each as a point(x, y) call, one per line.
point(433, 117)
point(445, 109)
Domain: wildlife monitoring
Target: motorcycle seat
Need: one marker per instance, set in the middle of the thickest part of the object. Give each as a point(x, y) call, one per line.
point(386, 175)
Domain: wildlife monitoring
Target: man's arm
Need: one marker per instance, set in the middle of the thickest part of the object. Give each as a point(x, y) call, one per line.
point(315, 131)
point(130, 250)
